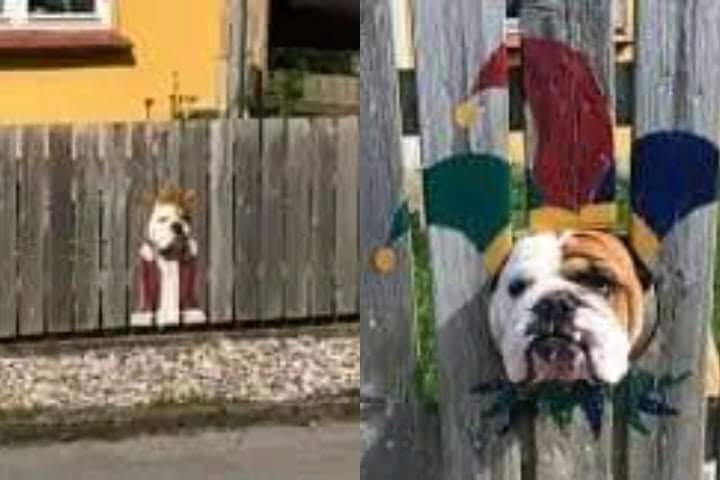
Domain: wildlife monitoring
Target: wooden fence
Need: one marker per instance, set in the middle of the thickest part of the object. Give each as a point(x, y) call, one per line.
point(677, 89)
point(276, 219)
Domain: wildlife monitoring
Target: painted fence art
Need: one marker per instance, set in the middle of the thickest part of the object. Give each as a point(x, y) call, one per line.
point(274, 224)
point(653, 423)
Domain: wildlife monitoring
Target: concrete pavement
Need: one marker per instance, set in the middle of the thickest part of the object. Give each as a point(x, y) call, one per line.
point(325, 452)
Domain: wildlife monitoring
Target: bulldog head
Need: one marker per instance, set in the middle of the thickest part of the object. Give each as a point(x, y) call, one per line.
point(168, 229)
point(567, 306)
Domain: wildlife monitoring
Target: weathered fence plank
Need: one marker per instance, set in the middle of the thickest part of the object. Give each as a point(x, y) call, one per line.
point(247, 163)
point(234, 47)
point(32, 183)
point(454, 39)
point(8, 241)
point(194, 163)
point(117, 145)
point(159, 136)
point(220, 204)
point(677, 92)
point(346, 219)
point(312, 163)
point(167, 163)
point(272, 274)
point(322, 216)
point(59, 232)
point(298, 174)
point(390, 450)
point(89, 183)
point(141, 190)
point(585, 27)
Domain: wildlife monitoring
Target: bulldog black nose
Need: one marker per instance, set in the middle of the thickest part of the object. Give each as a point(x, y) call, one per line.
point(555, 311)
point(177, 228)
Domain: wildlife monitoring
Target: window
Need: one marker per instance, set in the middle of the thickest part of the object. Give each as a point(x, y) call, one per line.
point(513, 8)
point(60, 7)
point(622, 13)
point(62, 14)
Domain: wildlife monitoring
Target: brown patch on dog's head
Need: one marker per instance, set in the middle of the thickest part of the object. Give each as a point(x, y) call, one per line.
point(601, 261)
point(182, 198)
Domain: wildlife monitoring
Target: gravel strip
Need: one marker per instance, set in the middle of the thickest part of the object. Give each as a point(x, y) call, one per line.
point(219, 369)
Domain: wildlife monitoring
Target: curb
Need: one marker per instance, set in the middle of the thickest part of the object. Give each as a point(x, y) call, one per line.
point(18, 428)
point(175, 337)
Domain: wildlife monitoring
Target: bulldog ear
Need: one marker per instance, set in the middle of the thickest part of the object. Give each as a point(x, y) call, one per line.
point(644, 274)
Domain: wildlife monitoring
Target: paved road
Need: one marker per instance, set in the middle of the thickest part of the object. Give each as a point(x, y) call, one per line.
point(330, 452)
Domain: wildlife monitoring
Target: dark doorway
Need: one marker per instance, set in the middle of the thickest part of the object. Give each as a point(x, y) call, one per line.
point(319, 24)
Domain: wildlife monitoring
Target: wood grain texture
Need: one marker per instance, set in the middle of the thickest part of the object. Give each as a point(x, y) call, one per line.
point(346, 219)
point(235, 57)
point(677, 89)
point(257, 36)
point(313, 161)
point(167, 162)
point(246, 153)
point(194, 166)
point(141, 190)
point(32, 180)
point(8, 236)
point(453, 41)
point(258, 24)
point(117, 143)
point(88, 169)
point(59, 233)
point(298, 178)
point(272, 220)
point(77, 200)
point(585, 26)
point(573, 452)
point(220, 204)
point(396, 442)
point(322, 217)
point(157, 148)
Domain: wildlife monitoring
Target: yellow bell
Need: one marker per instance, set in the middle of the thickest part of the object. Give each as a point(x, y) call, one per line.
point(466, 114)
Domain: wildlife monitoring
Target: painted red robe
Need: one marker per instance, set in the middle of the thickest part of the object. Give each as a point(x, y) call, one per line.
point(181, 305)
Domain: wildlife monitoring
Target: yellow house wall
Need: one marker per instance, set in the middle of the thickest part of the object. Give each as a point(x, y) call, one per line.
point(183, 36)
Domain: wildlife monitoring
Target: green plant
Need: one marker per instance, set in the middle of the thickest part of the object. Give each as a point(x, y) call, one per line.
point(426, 369)
point(290, 90)
point(313, 60)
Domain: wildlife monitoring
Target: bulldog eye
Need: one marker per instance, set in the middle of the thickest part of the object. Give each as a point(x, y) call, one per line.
point(518, 286)
point(163, 219)
point(605, 287)
point(599, 283)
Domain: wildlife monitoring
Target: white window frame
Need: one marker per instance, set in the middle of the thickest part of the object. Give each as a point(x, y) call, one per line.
point(623, 20)
point(16, 16)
